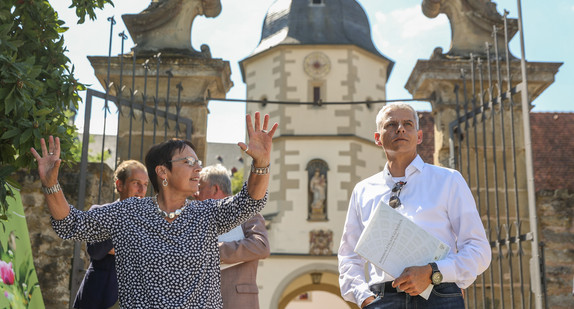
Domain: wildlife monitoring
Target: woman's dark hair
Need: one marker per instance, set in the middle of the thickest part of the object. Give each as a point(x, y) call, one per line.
point(161, 154)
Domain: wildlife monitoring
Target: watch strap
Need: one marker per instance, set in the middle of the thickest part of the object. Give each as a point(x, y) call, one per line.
point(53, 189)
point(436, 275)
point(259, 170)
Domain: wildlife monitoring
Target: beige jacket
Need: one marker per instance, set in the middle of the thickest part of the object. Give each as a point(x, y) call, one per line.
point(238, 286)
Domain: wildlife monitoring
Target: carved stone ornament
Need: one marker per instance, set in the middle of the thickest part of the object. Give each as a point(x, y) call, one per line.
point(165, 26)
point(321, 242)
point(471, 24)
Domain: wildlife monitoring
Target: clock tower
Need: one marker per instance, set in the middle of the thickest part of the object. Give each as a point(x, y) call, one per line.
point(318, 74)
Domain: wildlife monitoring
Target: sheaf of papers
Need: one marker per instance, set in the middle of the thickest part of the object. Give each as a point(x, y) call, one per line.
point(233, 235)
point(392, 243)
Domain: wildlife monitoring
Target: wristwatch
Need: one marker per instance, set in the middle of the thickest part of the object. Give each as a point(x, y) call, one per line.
point(436, 276)
point(259, 170)
point(53, 189)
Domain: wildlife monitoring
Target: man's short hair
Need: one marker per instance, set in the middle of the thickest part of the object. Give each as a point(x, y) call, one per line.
point(392, 106)
point(124, 170)
point(217, 175)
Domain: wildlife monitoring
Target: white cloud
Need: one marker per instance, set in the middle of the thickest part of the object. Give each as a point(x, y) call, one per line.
point(407, 31)
point(411, 21)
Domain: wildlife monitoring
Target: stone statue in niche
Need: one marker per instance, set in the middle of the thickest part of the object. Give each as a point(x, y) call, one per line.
point(317, 170)
point(320, 242)
point(317, 185)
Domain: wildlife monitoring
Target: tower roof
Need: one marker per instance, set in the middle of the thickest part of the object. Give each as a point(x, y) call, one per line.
point(316, 22)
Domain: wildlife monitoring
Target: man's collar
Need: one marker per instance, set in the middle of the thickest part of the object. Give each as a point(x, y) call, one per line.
point(416, 165)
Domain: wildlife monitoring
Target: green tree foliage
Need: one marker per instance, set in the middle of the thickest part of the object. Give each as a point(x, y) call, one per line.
point(237, 181)
point(38, 91)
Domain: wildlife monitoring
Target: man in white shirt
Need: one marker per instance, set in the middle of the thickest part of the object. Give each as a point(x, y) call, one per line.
point(435, 198)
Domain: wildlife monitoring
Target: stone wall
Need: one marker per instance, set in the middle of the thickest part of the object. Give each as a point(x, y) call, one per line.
point(53, 255)
point(555, 211)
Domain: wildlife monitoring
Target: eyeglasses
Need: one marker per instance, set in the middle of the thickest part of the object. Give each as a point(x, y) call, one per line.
point(190, 160)
point(395, 201)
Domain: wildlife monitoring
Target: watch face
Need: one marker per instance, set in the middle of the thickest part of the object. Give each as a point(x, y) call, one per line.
point(436, 278)
point(316, 64)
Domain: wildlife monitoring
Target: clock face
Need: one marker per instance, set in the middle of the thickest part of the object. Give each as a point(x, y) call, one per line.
point(316, 65)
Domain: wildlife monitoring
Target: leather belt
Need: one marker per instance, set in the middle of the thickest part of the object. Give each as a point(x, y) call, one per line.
point(386, 287)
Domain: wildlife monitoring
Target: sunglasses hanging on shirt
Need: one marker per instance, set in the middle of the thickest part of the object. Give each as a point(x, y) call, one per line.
point(395, 201)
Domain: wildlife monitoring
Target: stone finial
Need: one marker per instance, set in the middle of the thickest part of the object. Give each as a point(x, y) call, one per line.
point(471, 23)
point(165, 26)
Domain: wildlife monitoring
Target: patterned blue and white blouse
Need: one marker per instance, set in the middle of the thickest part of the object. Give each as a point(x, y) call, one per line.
point(162, 264)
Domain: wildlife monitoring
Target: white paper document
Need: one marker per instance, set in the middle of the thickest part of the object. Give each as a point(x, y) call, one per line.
point(392, 243)
point(233, 235)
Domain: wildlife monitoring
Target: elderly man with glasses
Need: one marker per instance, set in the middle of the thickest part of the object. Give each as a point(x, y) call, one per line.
point(437, 199)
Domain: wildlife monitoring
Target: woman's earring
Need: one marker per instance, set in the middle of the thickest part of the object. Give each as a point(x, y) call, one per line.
point(164, 182)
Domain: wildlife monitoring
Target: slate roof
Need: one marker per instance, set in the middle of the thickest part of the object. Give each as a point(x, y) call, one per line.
point(300, 22)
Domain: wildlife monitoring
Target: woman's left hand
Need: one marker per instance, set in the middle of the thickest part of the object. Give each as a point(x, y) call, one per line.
point(259, 147)
point(49, 161)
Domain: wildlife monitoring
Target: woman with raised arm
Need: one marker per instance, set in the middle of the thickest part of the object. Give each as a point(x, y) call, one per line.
point(165, 245)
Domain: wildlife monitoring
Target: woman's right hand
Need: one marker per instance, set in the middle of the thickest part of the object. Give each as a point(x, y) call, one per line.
point(260, 140)
point(49, 161)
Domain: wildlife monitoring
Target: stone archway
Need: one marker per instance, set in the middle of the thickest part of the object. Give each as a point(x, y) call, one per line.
point(308, 288)
point(313, 277)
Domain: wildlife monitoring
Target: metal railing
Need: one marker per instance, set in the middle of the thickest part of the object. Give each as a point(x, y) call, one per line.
point(485, 148)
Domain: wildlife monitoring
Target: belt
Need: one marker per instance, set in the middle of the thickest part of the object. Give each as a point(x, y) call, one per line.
point(386, 287)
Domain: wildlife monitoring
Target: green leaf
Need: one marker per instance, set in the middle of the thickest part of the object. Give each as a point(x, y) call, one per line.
point(9, 102)
point(5, 171)
point(13, 183)
point(10, 133)
point(26, 135)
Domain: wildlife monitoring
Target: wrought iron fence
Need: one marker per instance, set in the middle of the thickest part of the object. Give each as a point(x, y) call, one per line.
point(485, 147)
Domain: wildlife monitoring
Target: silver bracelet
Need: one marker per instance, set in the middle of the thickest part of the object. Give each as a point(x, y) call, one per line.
point(53, 189)
point(259, 170)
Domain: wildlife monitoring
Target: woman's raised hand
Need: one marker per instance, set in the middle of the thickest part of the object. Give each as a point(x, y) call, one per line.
point(49, 161)
point(259, 147)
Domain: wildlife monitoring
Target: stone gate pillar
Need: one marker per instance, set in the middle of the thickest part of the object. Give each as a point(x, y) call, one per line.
point(472, 25)
point(501, 200)
point(162, 34)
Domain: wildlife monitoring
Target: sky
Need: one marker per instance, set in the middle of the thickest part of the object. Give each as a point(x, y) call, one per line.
point(399, 31)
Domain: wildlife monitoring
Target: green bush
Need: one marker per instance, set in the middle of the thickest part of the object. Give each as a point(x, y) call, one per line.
point(38, 91)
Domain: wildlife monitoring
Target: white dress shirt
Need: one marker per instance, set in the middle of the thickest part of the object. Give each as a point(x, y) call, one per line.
point(435, 198)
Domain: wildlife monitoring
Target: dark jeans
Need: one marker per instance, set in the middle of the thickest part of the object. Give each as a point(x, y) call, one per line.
point(443, 296)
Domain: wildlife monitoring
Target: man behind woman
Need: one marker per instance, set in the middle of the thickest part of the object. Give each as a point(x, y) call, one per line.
point(99, 289)
point(238, 282)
